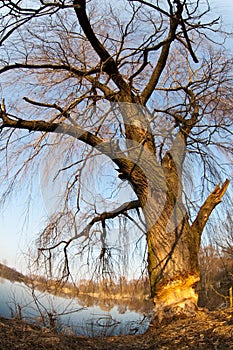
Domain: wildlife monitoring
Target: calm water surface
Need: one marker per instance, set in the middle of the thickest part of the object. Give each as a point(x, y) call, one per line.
point(68, 315)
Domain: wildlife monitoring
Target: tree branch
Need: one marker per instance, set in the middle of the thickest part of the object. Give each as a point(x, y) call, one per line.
point(78, 72)
point(107, 147)
point(85, 233)
point(60, 128)
point(21, 16)
point(145, 58)
point(206, 209)
point(109, 64)
point(182, 24)
point(63, 111)
point(161, 62)
point(109, 94)
point(100, 218)
point(190, 123)
point(114, 213)
point(157, 8)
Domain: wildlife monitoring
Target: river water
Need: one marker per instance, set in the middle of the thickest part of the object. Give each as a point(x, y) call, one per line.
point(70, 315)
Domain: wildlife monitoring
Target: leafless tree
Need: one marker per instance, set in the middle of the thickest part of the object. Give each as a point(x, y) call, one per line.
point(142, 89)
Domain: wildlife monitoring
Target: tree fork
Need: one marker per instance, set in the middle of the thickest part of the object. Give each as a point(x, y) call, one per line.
point(173, 264)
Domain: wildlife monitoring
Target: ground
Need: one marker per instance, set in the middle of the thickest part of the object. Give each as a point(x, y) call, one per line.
point(207, 330)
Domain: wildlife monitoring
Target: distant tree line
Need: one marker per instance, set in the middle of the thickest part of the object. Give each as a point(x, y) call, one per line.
point(216, 265)
point(216, 268)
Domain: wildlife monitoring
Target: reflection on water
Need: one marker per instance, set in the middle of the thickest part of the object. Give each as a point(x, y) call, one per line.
point(84, 315)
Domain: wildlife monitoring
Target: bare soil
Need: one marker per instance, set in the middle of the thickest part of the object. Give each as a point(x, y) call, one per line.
point(207, 330)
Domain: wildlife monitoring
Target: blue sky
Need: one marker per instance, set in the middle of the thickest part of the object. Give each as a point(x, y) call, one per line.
point(16, 233)
point(18, 227)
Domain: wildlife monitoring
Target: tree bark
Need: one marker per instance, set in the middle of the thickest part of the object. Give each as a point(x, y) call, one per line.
point(173, 268)
point(174, 243)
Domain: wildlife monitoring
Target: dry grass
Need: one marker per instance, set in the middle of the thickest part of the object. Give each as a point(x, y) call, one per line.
point(208, 330)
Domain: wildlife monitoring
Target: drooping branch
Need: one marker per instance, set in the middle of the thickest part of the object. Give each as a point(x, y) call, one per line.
point(206, 209)
point(135, 204)
point(122, 210)
point(111, 214)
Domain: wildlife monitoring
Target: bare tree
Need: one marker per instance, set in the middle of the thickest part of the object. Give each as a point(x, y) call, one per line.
point(142, 84)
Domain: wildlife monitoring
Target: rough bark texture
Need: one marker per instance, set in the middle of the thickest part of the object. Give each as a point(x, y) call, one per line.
point(173, 243)
point(173, 256)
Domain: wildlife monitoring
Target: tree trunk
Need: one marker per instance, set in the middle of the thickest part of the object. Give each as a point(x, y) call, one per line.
point(173, 269)
point(173, 242)
point(173, 247)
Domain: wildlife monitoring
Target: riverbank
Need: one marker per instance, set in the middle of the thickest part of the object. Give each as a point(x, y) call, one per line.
point(208, 330)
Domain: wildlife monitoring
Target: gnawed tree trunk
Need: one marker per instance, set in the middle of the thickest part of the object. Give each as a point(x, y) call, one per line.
point(173, 242)
point(173, 269)
point(173, 264)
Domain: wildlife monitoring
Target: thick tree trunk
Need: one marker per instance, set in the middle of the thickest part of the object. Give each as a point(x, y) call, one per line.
point(173, 247)
point(173, 269)
point(173, 242)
